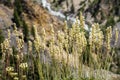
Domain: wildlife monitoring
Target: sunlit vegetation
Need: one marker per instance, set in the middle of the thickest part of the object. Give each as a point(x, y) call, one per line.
point(68, 54)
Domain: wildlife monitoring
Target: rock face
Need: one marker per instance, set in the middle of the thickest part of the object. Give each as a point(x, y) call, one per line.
point(35, 14)
point(118, 28)
point(6, 15)
point(105, 12)
point(99, 74)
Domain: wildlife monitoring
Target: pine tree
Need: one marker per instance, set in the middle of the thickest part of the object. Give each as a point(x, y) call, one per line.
point(72, 7)
point(18, 6)
point(17, 19)
point(17, 12)
point(25, 31)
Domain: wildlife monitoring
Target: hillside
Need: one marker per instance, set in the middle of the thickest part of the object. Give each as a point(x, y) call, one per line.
point(45, 40)
point(104, 12)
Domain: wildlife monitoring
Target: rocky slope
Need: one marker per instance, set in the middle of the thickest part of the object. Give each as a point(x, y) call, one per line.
point(35, 14)
point(105, 12)
point(5, 16)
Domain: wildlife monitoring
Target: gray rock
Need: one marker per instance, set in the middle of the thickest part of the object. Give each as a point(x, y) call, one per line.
point(6, 15)
point(113, 38)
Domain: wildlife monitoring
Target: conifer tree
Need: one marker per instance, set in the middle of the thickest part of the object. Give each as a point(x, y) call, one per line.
point(17, 19)
point(25, 31)
point(72, 7)
point(17, 13)
point(18, 6)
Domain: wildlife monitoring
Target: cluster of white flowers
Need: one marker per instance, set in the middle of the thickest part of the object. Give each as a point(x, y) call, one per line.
point(23, 66)
point(96, 36)
point(108, 37)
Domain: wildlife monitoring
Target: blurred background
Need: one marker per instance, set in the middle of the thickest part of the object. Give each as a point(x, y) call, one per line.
point(104, 12)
